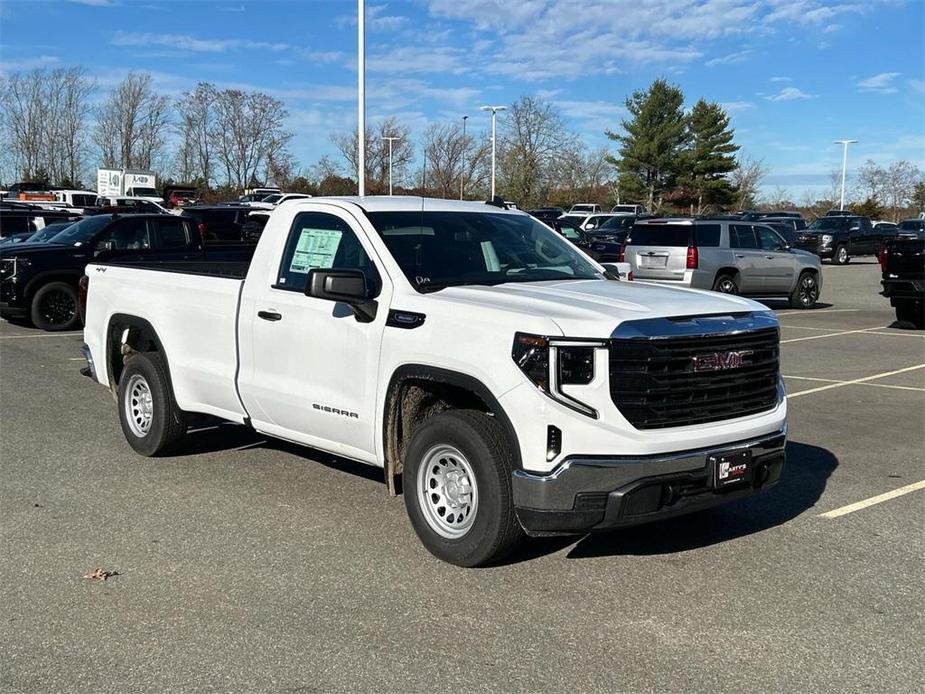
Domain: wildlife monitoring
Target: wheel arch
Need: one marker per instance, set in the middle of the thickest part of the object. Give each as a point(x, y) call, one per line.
point(417, 392)
point(141, 337)
point(47, 277)
point(726, 270)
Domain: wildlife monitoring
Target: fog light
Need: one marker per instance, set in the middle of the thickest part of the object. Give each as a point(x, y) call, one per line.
point(553, 443)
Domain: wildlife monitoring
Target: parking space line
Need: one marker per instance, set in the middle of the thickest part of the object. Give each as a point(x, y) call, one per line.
point(23, 337)
point(819, 337)
point(803, 312)
point(855, 381)
point(806, 327)
point(897, 334)
point(879, 499)
point(870, 385)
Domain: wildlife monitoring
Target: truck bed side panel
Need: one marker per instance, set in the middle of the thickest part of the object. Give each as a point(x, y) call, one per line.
point(194, 317)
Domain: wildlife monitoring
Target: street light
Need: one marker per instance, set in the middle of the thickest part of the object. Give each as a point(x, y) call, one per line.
point(494, 110)
point(462, 171)
point(361, 105)
point(390, 140)
point(844, 167)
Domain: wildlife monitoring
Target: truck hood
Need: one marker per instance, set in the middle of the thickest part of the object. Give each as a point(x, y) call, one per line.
point(38, 250)
point(593, 308)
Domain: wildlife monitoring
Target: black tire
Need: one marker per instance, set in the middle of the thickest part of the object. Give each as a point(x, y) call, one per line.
point(726, 284)
point(494, 530)
point(806, 293)
point(911, 312)
point(54, 307)
point(167, 423)
point(840, 256)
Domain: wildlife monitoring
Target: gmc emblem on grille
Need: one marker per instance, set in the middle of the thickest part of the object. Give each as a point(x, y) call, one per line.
point(721, 361)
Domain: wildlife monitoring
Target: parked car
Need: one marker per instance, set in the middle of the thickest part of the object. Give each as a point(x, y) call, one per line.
point(910, 228)
point(733, 257)
point(628, 209)
point(839, 238)
point(544, 213)
point(135, 204)
point(13, 239)
point(585, 209)
point(795, 223)
point(886, 228)
point(253, 227)
point(179, 196)
point(608, 239)
point(16, 219)
point(779, 214)
point(571, 231)
point(49, 232)
point(902, 263)
point(257, 194)
point(271, 201)
point(218, 223)
point(461, 346)
point(588, 222)
point(39, 282)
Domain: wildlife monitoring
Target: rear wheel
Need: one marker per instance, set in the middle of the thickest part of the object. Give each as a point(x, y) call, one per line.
point(806, 292)
point(54, 307)
point(841, 256)
point(151, 421)
point(911, 312)
point(726, 284)
point(457, 488)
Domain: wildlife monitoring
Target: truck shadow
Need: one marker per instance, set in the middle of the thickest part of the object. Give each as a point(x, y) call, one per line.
point(802, 483)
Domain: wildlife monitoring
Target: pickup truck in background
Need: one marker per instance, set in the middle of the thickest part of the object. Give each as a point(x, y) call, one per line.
point(470, 349)
point(40, 281)
point(902, 263)
point(839, 237)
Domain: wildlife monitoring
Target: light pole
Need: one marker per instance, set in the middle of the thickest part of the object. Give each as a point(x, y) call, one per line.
point(844, 167)
point(462, 171)
point(494, 110)
point(361, 88)
point(390, 140)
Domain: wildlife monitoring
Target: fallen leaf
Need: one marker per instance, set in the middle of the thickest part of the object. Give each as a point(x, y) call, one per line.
point(100, 574)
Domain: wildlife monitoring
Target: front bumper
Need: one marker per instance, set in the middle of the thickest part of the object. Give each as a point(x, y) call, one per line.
point(598, 493)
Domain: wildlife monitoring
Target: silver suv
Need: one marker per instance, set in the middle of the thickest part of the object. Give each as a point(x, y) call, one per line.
point(730, 256)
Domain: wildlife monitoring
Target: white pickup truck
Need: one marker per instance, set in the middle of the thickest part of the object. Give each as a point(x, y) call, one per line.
point(516, 387)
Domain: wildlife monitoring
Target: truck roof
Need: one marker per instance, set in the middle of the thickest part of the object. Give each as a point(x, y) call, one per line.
point(406, 203)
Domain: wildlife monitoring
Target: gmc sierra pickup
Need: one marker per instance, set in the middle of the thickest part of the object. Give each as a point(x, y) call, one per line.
point(470, 349)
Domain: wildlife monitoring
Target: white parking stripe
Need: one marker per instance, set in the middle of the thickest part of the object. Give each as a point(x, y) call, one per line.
point(806, 327)
point(897, 334)
point(819, 337)
point(870, 385)
point(879, 499)
point(841, 384)
point(802, 312)
point(23, 337)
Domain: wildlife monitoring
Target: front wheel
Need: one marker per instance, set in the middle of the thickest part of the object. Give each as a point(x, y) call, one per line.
point(151, 421)
point(841, 256)
point(54, 307)
point(806, 293)
point(457, 488)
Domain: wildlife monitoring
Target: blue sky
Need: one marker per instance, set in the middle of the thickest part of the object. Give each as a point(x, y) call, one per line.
point(793, 74)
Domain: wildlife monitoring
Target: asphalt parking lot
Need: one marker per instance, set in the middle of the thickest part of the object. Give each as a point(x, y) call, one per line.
point(253, 565)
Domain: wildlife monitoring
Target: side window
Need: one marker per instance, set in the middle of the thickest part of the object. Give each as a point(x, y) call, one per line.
point(172, 233)
point(769, 240)
point(126, 235)
point(320, 241)
point(568, 232)
point(707, 235)
point(742, 236)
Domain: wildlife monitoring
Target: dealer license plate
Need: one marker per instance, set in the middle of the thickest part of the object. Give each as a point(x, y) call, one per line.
point(732, 469)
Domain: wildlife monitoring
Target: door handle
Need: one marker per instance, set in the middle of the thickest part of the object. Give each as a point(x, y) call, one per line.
point(740, 256)
point(270, 315)
point(769, 257)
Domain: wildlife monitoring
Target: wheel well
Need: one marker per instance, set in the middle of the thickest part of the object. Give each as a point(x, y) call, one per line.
point(418, 393)
point(725, 271)
point(125, 336)
point(37, 283)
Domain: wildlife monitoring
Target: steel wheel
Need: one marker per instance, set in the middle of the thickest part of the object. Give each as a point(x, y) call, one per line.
point(447, 491)
point(809, 290)
point(139, 405)
point(57, 307)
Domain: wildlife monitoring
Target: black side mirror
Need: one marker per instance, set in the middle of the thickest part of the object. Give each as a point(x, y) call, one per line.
point(344, 286)
point(103, 247)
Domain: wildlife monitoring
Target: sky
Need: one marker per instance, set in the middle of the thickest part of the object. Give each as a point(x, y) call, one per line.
point(794, 75)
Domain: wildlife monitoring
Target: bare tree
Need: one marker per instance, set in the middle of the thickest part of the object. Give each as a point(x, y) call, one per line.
point(377, 152)
point(22, 101)
point(132, 125)
point(534, 138)
point(893, 185)
point(196, 116)
point(445, 148)
point(746, 178)
point(248, 134)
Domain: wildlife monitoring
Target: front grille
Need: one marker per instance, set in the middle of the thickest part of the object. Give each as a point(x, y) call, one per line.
point(654, 385)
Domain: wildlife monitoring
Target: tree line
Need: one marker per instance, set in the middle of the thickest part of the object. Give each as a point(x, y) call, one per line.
point(665, 156)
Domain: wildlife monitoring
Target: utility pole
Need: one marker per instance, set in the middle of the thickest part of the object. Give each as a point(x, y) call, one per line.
point(361, 88)
point(494, 111)
point(390, 140)
point(462, 171)
point(844, 167)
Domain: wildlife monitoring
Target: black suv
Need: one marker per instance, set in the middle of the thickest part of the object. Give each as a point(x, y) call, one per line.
point(219, 223)
point(21, 219)
point(839, 237)
point(39, 282)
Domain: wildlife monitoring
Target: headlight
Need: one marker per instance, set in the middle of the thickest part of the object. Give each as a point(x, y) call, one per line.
point(553, 362)
point(9, 266)
point(826, 238)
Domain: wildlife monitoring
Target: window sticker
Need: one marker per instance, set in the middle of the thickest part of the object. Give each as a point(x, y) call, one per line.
point(316, 249)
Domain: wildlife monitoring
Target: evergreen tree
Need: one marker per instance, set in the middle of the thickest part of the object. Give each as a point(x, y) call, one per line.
point(652, 140)
point(710, 157)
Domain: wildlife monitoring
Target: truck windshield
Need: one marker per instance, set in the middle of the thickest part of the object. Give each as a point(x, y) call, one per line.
point(444, 249)
point(828, 223)
point(145, 192)
point(80, 232)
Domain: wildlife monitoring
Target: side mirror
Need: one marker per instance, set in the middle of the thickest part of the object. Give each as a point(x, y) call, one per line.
point(103, 247)
point(343, 286)
point(619, 271)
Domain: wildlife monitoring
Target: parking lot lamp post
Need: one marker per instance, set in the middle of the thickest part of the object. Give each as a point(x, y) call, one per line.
point(494, 110)
point(844, 167)
point(361, 106)
point(462, 171)
point(390, 139)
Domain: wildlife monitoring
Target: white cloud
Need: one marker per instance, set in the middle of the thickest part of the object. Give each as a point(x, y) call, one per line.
point(782, 79)
point(736, 106)
point(187, 42)
point(879, 84)
point(789, 94)
point(737, 57)
point(916, 85)
point(93, 3)
point(23, 64)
